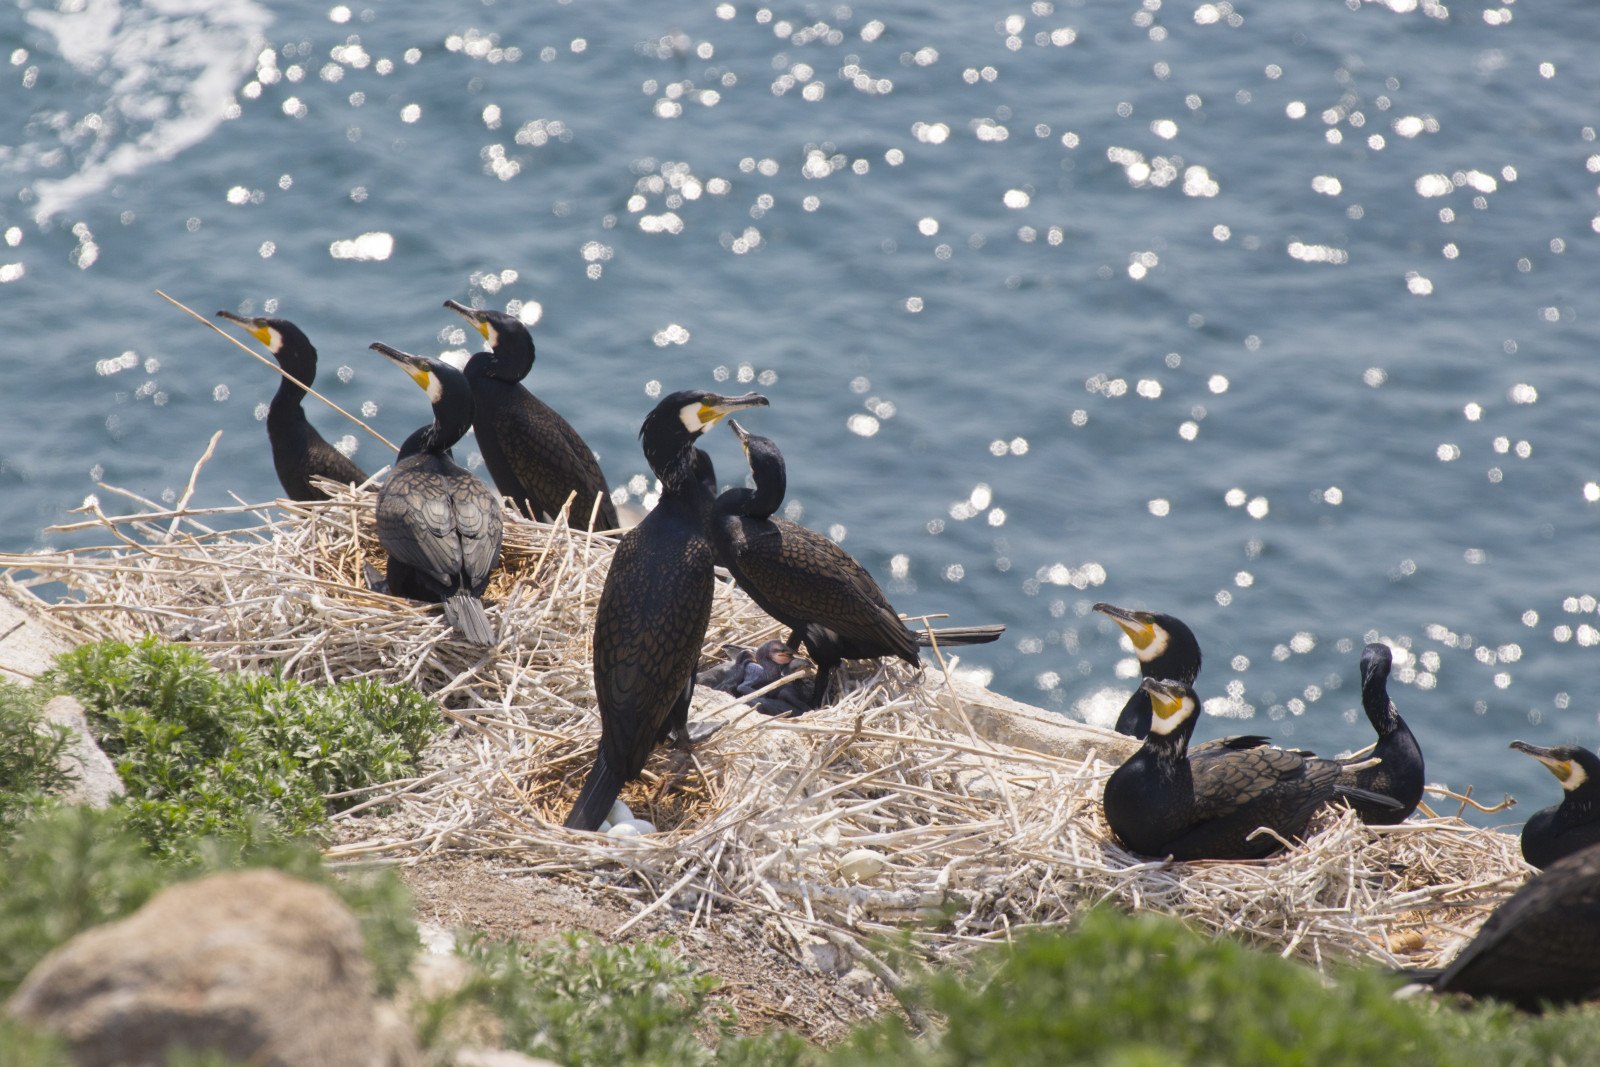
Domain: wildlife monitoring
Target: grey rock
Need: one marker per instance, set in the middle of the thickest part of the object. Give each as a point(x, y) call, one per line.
point(259, 966)
point(94, 778)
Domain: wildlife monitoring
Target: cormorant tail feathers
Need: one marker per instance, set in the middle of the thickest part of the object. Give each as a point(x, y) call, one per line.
point(1367, 796)
point(594, 801)
point(465, 612)
point(960, 635)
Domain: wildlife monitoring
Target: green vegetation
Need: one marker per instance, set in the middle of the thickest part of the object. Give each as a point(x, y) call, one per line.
point(582, 1002)
point(206, 753)
point(28, 753)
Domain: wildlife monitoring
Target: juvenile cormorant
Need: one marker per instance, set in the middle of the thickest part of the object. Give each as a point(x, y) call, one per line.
point(1167, 649)
point(1165, 801)
point(1573, 824)
point(1541, 946)
point(1400, 774)
point(752, 669)
point(533, 454)
point(440, 525)
point(299, 452)
point(808, 583)
point(655, 605)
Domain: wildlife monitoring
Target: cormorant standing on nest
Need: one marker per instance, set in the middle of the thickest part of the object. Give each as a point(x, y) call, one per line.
point(533, 454)
point(1564, 828)
point(808, 583)
point(655, 605)
point(1165, 802)
point(1400, 774)
point(440, 525)
point(1167, 649)
point(299, 452)
point(1541, 946)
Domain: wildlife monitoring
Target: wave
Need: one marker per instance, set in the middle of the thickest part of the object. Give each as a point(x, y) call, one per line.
point(169, 70)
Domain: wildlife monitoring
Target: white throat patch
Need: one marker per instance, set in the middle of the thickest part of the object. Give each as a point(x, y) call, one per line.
point(1576, 776)
point(1158, 644)
point(491, 335)
point(689, 415)
point(435, 388)
point(274, 340)
point(1161, 726)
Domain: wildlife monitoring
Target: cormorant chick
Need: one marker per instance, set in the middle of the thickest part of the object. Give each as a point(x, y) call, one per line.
point(655, 605)
point(299, 452)
point(533, 454)
point(753, 669)
point(1167, 649)
point(1165, 802)
point(1541, 946)
point(440, 525)
point(1399, 775)
point(1564, 828)
point(808, 583)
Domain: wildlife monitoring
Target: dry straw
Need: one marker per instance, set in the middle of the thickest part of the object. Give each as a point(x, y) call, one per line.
point(978, 837)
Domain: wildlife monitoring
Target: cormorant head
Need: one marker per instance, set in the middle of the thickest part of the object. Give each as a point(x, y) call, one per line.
point(1173, 704)
point(1166, 647)
point(776, 652)
point(673, 425)
point(766, 467)
point(508, 339)
point(1376, 661)
point(1571, 764)
point(285, 340)
point(447, 391)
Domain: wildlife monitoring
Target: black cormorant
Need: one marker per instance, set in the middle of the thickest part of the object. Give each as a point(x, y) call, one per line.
point(299, 452)
point(1167, 649)
point(808, 583)
point(1165, 801)
point(1541, 946)
point(1573, 824)
point(655, 605)
point(440, 525)
point(1399, 775)
point(533, 454)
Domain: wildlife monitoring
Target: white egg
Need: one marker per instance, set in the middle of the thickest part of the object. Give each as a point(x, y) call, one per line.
point(623, 829)
point(644, 826)
point(860, 864)
point(620, 812)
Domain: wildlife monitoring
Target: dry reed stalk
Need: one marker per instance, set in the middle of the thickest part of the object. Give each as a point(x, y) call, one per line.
point(978, 839)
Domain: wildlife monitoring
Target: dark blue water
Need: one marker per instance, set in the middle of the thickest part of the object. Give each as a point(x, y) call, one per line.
point(1276, 316)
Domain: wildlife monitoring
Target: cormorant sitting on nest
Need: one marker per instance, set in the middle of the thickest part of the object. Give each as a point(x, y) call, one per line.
point(1165, 802)
point(440, 525)
point(1564, 828)
point(1541, 946)
point(655, 605)
point(299, 452)
point(808, 583)
point(1399, 775)
point(533, 454)
point(1167, 649)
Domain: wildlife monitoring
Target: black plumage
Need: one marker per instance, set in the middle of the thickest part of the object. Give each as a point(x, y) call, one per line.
point(440, 525)
point(753, 669)
point(299, 452)
point(808, 583)
point(533, 454)
point(1542, 946)
point(655, 605)
point(1564, 828)
point(1211, 804)
point(1399, 774)
point(1167, 649)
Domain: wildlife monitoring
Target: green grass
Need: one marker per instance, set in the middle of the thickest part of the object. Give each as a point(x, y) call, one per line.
point(210, 753)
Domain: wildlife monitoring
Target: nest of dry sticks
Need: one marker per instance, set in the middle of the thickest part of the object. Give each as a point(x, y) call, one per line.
point(977, 837)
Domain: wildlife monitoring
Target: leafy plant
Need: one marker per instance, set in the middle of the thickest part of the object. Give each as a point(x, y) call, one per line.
point(30, 751)
point(582, 1002)
point(206, 753)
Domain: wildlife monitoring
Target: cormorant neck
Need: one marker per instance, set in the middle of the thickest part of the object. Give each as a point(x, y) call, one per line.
point(766, 467)
point(288, 395)
point(1379, 708)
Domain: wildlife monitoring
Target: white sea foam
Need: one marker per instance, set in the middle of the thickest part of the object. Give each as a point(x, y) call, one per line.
point(171, 68)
